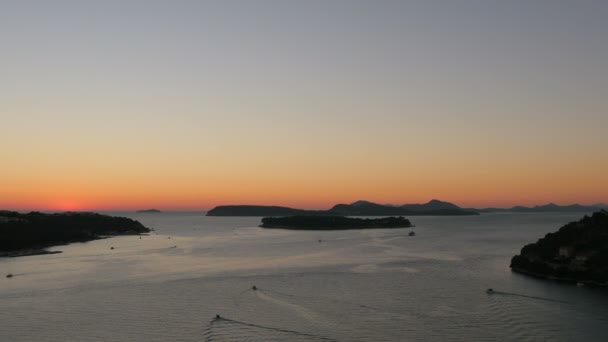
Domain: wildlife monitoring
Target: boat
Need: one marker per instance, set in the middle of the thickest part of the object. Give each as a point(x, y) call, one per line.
point(10, 275)
point(412, 233)
point(490, 291)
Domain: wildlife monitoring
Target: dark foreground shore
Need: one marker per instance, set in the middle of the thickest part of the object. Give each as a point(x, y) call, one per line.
point(577, 252)
point(29, 234)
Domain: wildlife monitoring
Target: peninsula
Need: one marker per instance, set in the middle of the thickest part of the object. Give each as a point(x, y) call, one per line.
point(359, 208)
point(577, 252)
point(29, 234)
point(333, 222)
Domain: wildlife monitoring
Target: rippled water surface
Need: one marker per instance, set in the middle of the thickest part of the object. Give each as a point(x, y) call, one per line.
point(357, 285)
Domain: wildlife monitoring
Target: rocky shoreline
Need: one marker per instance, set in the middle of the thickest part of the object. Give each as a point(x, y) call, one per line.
point(576, 253)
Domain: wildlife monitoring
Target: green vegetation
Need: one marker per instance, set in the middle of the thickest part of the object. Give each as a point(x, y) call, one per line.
point(34, 231)
point(577, 252)
point(333, 222)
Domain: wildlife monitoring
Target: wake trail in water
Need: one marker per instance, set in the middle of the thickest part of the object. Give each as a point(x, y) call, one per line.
point(226, 329)
point(367, 238)
point(313, 300)
point(236, 298)
point(306, 313)
point(321, 299)
point(531, 297)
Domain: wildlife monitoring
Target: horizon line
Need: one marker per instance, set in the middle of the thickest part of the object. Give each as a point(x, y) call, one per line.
point(601, 203)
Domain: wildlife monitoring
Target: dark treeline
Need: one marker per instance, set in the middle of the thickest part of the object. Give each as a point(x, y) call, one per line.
point(578, 251)
point(333, 222)
point(37, 230)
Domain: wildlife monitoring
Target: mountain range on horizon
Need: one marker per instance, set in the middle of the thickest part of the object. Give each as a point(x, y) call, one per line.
point(550, 207)
point(366, 208)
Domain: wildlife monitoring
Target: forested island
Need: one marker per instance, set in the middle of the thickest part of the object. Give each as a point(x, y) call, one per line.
point(577, 252)
point(28, 234)
point(150, 211)
point(333, 222)
point(358, 208)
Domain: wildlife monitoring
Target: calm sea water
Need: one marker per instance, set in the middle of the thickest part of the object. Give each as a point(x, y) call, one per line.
point(359, 285)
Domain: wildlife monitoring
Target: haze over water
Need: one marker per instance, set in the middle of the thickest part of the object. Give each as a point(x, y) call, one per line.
point(356, 285)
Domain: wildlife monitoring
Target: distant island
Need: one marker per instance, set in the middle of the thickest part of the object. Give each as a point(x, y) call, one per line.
point(333, 222)
point(548, 208)
point(156, 211)
point(577, 252)
point(366, 208)
point(259, 210)
point(30, 234)
point(359, 208)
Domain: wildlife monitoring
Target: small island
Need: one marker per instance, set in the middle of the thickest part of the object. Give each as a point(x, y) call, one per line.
point(333, 222)
point(577, 252)
point(29, 234)
point(151, 211)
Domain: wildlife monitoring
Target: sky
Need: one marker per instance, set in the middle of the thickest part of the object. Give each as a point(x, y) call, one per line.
point(184, 105)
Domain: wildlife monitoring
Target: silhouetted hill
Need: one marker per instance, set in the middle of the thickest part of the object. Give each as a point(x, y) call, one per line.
point(35, 231)
point(364, 208)
point(333, 222)
point(358, 208)
point(547, 208)
point(258, 210)
point(152, 211)
point(576, 252)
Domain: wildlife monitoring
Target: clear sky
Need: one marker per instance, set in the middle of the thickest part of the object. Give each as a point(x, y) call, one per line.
point(192, 104)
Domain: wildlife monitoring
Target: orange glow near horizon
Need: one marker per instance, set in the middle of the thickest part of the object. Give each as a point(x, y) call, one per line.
point(309, 194)
point(209, 108)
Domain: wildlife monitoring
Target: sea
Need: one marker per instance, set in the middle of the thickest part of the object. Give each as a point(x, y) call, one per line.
point(193, 278)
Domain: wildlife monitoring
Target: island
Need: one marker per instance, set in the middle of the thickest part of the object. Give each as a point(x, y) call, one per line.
point(358, 208)
point(258, 210)
point(151, 211)
point(548, 208)
point(333, 222)
point(577, 252)
point(29, 234)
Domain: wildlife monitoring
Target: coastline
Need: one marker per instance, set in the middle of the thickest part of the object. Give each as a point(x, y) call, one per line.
point(323, 223)
point(558, 279)
point(26, 252)
point(43, 249)
point(328, 229)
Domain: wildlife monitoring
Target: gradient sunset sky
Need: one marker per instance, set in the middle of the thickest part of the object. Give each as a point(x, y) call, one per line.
point(192, 104)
